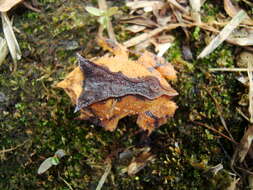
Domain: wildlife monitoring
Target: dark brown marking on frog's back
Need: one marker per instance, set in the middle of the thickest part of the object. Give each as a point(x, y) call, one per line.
point(100, 84)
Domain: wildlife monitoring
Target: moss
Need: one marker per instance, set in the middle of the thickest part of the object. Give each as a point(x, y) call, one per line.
point(37, 113)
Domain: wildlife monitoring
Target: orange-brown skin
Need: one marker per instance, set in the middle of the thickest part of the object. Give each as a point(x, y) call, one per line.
point(151, 113)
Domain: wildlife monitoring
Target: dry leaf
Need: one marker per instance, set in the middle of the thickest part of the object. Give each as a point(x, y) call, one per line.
point(106, 104)
point(6, 5)
point(135, 28)
point(232, 10)
point(3, 50)
point(147, 5)
point(10, 38)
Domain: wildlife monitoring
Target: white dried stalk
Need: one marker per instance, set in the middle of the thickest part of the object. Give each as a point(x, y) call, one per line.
point(229, 69)
point(10, 38)
point(224, 34)
point(250, 67)
point(3, 50)
point(162, 48)
point(195, 6)
point(103, 178)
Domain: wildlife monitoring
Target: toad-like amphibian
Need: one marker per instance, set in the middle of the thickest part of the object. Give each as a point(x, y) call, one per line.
point(114, 86)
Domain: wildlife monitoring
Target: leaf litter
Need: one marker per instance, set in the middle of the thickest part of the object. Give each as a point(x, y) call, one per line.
point(170, 15)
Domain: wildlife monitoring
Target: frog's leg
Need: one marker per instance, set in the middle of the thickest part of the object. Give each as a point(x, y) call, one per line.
point(157, 64)
point(112, 46)
point(110, 124)
point(157, 114)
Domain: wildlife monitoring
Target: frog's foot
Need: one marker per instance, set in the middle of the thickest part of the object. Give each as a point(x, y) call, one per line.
point(112, 46)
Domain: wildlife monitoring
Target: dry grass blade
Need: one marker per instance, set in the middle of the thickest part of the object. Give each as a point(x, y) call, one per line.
point(6, 5)
point(10, 38)
point(142, 37)
point(162, 48)
point(245, 144)
point(103, 178)
point(250, 67)
point(224, 34)
point(228, 69)
point(69, 186)
point(3, 50)
point(178, 6)
point(139, 20)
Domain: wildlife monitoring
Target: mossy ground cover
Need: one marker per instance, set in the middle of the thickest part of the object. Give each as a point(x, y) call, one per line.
point(36, 119)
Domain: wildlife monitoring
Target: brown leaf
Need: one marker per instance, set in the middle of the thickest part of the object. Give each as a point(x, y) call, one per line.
point(232, 10)
point(6, 5)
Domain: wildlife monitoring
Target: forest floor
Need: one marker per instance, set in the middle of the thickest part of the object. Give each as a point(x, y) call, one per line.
point(37, 119)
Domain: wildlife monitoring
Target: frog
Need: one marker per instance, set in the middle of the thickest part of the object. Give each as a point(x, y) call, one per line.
point(108, 88)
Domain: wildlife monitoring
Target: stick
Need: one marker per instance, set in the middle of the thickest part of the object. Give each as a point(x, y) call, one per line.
point(214, 130)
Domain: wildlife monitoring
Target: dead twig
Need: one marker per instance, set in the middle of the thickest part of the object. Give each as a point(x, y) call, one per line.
point(13, 148)
point(250, 67)
point(242, 114)
point(219, 113)
point(29, 6)
point(214, 130)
